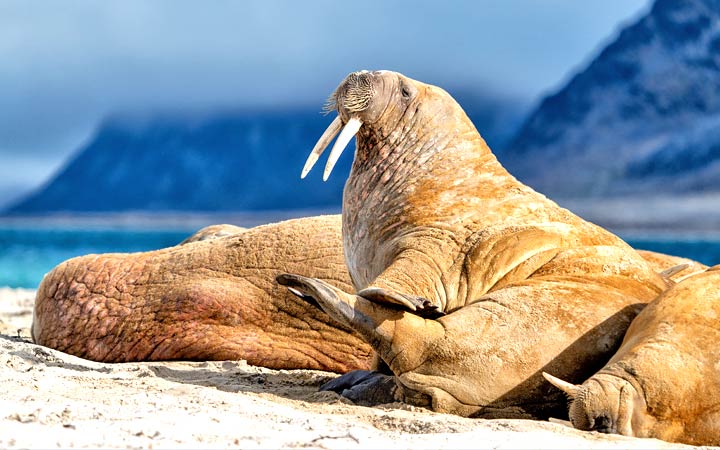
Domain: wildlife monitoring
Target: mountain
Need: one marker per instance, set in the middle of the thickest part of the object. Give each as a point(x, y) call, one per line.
point(643, 116)
point(230, 161)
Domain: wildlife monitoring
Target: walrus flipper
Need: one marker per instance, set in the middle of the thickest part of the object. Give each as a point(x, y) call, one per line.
point(333, 301)
point(417, 305)
point(400, 338)
point(364, 387)
point(385, 327)
point(352, 310)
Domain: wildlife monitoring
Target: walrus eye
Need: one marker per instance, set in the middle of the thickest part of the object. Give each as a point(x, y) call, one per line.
point(405, 92)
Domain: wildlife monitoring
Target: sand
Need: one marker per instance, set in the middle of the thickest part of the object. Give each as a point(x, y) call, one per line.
point(51, 399)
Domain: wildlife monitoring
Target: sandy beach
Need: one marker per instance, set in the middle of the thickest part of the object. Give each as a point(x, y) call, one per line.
point(54, 400)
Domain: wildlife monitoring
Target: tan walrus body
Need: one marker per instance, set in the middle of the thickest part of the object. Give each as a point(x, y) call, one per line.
point(83, 302)
point(664, 381)
point(433, 224)
point(204, 300)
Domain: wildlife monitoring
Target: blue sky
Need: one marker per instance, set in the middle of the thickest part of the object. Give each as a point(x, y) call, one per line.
point(67, 65)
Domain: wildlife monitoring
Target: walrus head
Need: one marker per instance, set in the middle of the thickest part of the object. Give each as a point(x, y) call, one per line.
point(605, 403)
point(365, 99)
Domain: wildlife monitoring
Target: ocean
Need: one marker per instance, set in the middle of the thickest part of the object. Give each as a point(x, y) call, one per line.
point(28, 252)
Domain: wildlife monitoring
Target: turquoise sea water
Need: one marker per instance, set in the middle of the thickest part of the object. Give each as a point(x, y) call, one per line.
point(27, 253)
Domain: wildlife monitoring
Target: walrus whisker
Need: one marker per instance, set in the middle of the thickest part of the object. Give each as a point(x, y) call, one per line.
point(330, 104)
point(351, 128)
point(358, 96)
point(353, 96)
point(321, 145)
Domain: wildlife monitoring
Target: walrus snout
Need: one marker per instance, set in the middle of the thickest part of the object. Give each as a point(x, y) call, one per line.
point(360, 98)
point(351, 97)
point(365, 95)
point(354, 94)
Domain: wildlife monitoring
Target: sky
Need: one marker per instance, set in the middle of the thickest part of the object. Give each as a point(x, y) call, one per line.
point(68, 65)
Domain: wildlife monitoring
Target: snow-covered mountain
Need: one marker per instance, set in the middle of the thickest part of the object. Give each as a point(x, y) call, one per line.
point(643, 116)
point(230, 161)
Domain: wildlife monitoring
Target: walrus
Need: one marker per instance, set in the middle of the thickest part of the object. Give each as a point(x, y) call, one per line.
point(664, 381)
point(212, 298)
point(213, 232)
point(672, 268)
point(468, 284)
point(76, 310)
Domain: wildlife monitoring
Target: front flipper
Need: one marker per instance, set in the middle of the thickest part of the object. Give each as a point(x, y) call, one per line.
point(364, 387)
point(400, 338)
point(418, 305)
point(338, 304)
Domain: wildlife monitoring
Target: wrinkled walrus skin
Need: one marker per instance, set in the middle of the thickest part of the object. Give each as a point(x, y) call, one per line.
point(433, 224)
point(213, 298)
point(69, 318)
point(664, 381)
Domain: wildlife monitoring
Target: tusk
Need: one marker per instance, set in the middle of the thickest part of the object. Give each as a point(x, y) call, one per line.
point(570, 389)
point(667, 273)
point(567, 423)
point(350, 130)
point(321, 145)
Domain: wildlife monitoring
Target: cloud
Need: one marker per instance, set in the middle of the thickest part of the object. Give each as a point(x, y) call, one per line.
point(67, 65)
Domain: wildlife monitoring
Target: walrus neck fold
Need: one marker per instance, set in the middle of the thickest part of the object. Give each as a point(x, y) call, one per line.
point(391, 195)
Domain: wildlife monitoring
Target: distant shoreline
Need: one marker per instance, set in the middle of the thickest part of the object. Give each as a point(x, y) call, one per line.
point(161, 220)
point(695, 215)
point(676, 216)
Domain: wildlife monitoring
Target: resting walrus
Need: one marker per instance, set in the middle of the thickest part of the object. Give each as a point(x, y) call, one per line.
point(205, 300)
point(433, 225)
point(76, 310)
point(664, 381)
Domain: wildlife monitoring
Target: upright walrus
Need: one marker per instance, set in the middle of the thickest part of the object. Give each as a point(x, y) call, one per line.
point(433, 225)
point(166, 304)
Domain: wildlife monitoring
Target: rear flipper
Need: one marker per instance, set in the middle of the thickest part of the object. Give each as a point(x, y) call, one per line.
point(377, 323)
point(338, 304)
point(397, 336)
point(364, 387)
